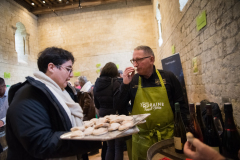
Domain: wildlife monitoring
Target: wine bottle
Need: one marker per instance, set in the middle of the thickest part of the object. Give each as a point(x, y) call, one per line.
point(200, 120)
point(231, 138)
point(179, 130)
point(212, 136)
point(194, 126)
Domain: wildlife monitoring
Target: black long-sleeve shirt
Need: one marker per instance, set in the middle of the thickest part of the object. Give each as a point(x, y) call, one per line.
point(128, 92)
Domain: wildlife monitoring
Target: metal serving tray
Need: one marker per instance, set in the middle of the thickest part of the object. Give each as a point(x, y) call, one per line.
point(110, 135)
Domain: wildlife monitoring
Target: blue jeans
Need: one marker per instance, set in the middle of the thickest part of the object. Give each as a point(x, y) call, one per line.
point(115, 149)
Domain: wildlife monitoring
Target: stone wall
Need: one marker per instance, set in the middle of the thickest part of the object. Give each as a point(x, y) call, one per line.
point(110, 33)
point(99, 34)
point(216, 46)
point(12, 13)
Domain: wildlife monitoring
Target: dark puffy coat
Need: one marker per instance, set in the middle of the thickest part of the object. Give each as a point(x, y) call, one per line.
point(86, 101)
point(105, 91)
point(35, 121)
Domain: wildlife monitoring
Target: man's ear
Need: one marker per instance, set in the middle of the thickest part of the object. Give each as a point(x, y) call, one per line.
point(152, 60)
point(51, 67)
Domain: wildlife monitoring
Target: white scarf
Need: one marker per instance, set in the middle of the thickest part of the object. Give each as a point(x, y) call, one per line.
point(73, 110)
point(86, 87)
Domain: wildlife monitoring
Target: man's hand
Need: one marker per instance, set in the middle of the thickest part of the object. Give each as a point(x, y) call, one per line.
point(128, 75)
point(203, 152)
point(1, 123)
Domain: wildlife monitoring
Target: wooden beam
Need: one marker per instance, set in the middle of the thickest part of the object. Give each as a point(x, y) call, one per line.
point(54, 1)
point(45, 4)
point(64, 1)
point(37, 3)
point(24, 4)
point(63, 7)
point(40, 1)
point(30, 3)
point(48, 2)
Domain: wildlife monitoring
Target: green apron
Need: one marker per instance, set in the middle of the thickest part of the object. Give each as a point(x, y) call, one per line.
point(159, 125)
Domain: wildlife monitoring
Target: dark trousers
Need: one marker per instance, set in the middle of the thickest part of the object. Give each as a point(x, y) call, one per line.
point(85, 156)
point(104, 150)
point(115, 149)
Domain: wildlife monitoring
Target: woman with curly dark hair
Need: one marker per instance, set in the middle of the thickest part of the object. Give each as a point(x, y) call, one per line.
point(105, 89)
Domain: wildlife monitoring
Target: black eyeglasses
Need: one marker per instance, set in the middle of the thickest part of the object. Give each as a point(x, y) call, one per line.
point(67, 68)
point(138, 60)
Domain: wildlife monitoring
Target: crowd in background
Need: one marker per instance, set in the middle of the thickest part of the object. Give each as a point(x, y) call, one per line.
point(38, 111)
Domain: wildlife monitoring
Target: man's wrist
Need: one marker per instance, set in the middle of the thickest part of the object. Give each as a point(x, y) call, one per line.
point(125, 82)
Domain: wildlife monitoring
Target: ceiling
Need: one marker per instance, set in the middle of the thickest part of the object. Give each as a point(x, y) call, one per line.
point(47, 6)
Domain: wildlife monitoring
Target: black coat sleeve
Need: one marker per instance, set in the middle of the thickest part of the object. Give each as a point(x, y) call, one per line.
point(97, 104)
point(122, 97)
point(30, 123)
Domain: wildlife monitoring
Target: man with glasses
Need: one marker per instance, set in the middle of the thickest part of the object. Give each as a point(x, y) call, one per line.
point(150, 91)
point(3, 102)
point(41, 110)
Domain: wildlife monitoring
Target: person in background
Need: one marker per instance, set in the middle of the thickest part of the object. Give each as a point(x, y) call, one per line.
point(202, 151)
point(119, 77)
point(104, 143)
point(120, 73)
point(104, 97)
point(41, 110)
point(84, 83)
point(86, 99)
point(3, 102)
point(72, 91)
point(150, 91)
point(77, 86)
point(3, 108)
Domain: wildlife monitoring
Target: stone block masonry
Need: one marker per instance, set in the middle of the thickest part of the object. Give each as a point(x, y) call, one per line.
point(216, 46)
point(99, 34)
point(110, 33)
point(94, 35)
point(12, 13)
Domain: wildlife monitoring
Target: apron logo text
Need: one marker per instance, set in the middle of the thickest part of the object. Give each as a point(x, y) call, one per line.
point(152, 106)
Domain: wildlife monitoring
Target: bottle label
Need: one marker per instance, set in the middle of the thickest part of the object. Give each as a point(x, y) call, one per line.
point(178, 143)
point(230, 129)
point(216, 149)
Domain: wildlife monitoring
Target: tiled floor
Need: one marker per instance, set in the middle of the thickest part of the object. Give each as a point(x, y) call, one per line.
point(98, 156)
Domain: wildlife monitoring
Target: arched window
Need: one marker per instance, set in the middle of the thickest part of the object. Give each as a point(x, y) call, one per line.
point(22, 43)
point(182, 4)
point(158, 17)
